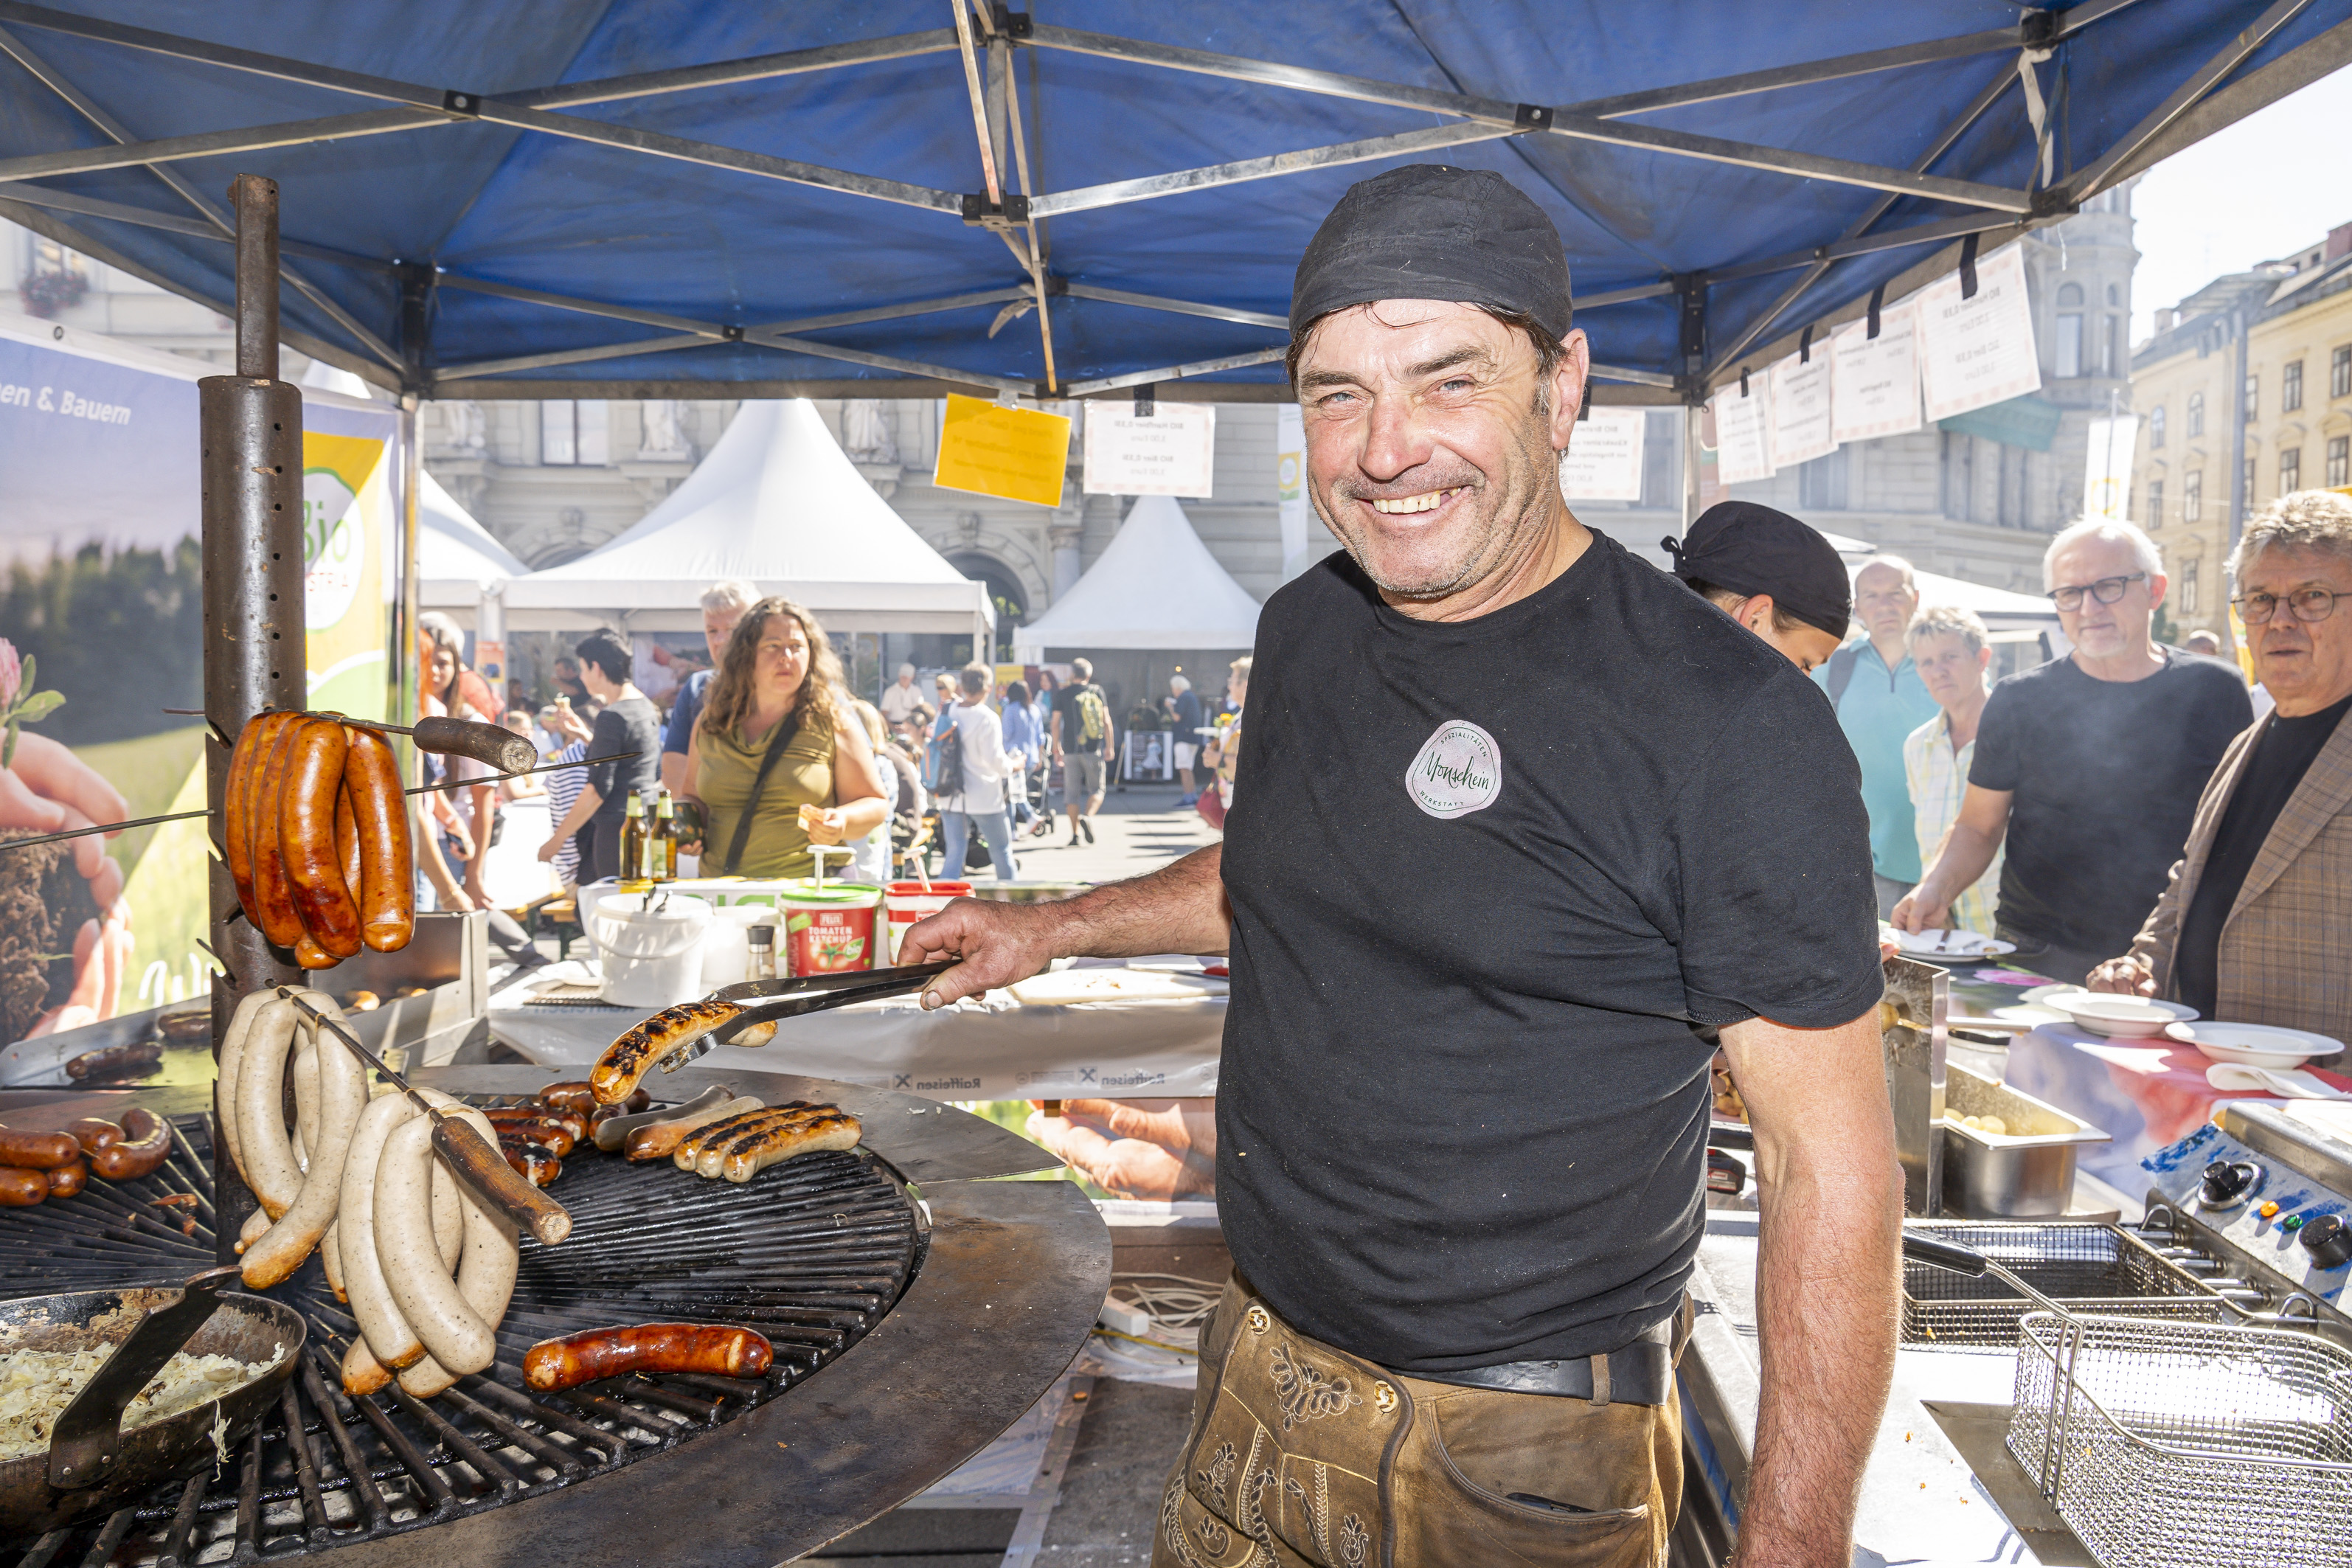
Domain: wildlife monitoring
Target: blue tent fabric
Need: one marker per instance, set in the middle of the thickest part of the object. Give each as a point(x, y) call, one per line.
point(600, 223)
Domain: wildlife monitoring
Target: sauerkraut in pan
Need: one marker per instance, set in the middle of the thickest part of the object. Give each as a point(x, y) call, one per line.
point(36, 1387)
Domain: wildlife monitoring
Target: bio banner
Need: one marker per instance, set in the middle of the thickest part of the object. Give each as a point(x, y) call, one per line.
point(102, 612)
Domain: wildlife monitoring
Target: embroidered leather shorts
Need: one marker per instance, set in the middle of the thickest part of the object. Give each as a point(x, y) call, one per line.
point(1302, 1454)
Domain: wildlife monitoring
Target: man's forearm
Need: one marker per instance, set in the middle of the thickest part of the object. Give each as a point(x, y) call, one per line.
point(1968, 853)
point(1179, 909)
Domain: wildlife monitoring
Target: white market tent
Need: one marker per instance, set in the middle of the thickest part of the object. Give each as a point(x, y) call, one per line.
point(1998, 609)
point(779, 504)
point(456, 558)
point(1155, 586)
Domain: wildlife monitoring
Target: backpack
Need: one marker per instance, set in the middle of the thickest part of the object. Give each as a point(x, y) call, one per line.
point(949, 779)
point(1841, 670)
point(1094, 715)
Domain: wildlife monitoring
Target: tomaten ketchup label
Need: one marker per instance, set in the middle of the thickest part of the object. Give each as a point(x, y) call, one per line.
point(830, 938)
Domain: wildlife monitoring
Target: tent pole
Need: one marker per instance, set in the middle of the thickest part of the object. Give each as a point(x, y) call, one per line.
point(251, 426)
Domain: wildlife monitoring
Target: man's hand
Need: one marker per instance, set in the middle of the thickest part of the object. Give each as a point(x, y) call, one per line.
point(1158, 1150)
point(994, 945)
point(1912, 914)
point(2124, 976)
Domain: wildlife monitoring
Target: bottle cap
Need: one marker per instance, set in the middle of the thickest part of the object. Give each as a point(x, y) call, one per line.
point(764, 936)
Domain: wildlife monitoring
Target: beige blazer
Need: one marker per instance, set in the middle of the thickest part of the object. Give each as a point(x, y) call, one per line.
point(2286, 945)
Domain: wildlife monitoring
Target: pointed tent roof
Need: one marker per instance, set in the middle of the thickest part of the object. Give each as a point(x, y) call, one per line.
point(777, 503)
point(456, 556)
point(1157, 587)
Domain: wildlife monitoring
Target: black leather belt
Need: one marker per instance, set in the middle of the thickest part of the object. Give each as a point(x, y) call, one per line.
point(1638, 1373)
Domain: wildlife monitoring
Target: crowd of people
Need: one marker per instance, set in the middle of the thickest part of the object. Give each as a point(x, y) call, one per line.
point(2121, 815)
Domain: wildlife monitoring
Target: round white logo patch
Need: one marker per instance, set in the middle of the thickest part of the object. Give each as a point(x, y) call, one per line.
point(1459, 771)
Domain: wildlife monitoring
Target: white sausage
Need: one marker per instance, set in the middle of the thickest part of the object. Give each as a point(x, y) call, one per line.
point(391, 1342)
point(256, 1225)
point(456, 1320)
point(231, 1059)
point(306, 1120)
point(270, 1167)
point(362, 1374)
point(342, 1095)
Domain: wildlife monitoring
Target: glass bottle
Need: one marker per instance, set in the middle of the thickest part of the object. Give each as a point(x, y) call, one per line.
point(762, 965)
point(632, 865)
point(661, 849)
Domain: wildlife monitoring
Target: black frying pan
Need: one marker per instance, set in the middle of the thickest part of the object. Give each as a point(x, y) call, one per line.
point(91, 1465)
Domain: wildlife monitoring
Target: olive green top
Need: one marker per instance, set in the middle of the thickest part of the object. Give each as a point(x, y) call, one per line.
point(779, 846)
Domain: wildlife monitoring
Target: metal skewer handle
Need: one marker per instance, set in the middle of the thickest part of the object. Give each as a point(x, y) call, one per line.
point(495, 745)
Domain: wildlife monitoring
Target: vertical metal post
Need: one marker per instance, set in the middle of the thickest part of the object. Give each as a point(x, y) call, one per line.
point(254, 625)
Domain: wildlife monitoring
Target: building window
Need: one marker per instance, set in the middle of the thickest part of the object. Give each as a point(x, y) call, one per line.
point(2253, 396)
point(1959, 466)
point(2196, 414)
point(2155, 427)
point(2070, 332)
point(2290, 469)
point(2339, 372)
point(2192, 498)
point(2155, 503)
point(1824, 482)
point(2188, 588)
point(574, 432)
point(2290, 387)
point(2340, 460)
point(2246, 482)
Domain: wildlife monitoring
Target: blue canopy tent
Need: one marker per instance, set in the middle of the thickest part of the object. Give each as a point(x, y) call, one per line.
point(490, 198)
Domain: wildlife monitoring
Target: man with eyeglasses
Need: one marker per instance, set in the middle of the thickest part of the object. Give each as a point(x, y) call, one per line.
point(2089, 765)
point(1880, 700)
point(2255, 925)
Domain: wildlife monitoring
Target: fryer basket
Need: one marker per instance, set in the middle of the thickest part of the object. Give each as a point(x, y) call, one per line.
point(2163, 1443)
point(2090, 1265)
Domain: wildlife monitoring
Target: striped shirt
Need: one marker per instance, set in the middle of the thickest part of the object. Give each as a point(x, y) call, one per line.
point(1939, 779)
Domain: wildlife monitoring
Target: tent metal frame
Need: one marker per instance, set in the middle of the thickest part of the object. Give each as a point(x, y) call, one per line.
point(985, 38)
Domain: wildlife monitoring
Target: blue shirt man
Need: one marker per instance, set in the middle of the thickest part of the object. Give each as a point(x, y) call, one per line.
point(1880, 699)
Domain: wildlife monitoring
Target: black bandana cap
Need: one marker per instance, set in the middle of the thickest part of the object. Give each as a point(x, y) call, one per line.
point(1429, 232)
point(1752, 549)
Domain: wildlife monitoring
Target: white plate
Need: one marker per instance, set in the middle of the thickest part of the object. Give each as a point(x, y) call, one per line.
point(2036, 1013)
point(2118, 1018)
point(1950, 945)
point(2254, 1045)
point(2047, 997)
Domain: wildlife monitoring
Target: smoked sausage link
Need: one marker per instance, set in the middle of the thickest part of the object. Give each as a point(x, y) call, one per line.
point(21, 1189)
point(94, 1133)
point(598, 1353)
point(388, 885)
point(273, 894)
point(146, 1143)
point(306, 837)
point(67, 1180)
point(37, 1151)
point(347, 835)
point(244, 763)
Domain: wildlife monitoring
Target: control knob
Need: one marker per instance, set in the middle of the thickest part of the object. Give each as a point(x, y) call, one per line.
point(2227, 1181)
point(2328, 1241)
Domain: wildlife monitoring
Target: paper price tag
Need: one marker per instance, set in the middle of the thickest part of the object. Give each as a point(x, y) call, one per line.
point(1603, 460)
point(1742, 443)
point(1976, 352)
point(1173, 452)
point(989, 449)
point(1877, 379)
point(1800, 411)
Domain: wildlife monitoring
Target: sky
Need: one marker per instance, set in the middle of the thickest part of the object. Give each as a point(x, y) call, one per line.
point(2266, 187)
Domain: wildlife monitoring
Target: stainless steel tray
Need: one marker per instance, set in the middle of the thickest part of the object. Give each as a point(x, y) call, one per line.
point(2026, 1173)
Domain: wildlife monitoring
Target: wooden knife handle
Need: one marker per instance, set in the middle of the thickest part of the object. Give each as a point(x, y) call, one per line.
point(501, 747)
point(484, 1169)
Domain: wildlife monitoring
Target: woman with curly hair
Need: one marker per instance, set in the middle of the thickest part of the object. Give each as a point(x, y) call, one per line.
point(778, 761)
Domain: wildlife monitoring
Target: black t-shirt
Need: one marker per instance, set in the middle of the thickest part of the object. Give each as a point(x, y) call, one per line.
point(631, 724)
point(2282, 755)
point(2106, 776)
point(1486, 879)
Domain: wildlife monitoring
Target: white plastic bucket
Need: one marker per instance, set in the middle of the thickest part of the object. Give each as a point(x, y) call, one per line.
point(648, 946)
point(906, 902)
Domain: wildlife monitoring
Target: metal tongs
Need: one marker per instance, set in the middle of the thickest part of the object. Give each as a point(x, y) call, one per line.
point(796, 995)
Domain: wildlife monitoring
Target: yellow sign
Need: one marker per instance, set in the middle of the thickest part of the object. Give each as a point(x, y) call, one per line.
point(989, 449)
point(346, 519)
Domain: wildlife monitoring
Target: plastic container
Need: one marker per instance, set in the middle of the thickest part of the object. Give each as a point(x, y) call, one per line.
point(648, 946)
point(726, 952)
point(906, 902)
point(827, 928)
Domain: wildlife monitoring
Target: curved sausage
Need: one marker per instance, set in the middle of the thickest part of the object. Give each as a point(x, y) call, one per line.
point(362, 1374)
point(306, 837)
point(580, 1095)
point(661, 1139)
point(244, 761)
point(256, 1225)
point(391, 1344)
point(342, 1095)
point(21, 1188)
point(234, 1040)
point(387, 886)
point(626, 1060)
point(94, 1133)
point(612, 1124)
point(311, 955)
point(455, 1318)
point(538, 1130)
point(347, 837)
point(717, 1141)
point(116, 1061)
point(716, 1351)
point(273, 892)
point(37, 1151)
point(766, 1146)
point(146, 1143)
point(67, 1180)
point(689, 1148)
point(269, 1167)
point(535, 1163)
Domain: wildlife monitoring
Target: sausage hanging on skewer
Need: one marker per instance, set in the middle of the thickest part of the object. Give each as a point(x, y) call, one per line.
point(254, 745)
point(273, 892)
point(386, 889)
point(303, 1223)
point(306, 837)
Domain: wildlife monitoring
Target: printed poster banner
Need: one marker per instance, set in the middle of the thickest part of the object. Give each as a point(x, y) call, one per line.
point(2106, 469)
point(1876, 379)
point(1742, 442)
point(1977, 353)
point(1173, 452)
point(101, 630)
point(1800, 411)
point(1603, 460)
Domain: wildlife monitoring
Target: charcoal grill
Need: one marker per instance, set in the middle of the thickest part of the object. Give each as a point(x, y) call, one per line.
point(916, 1308)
